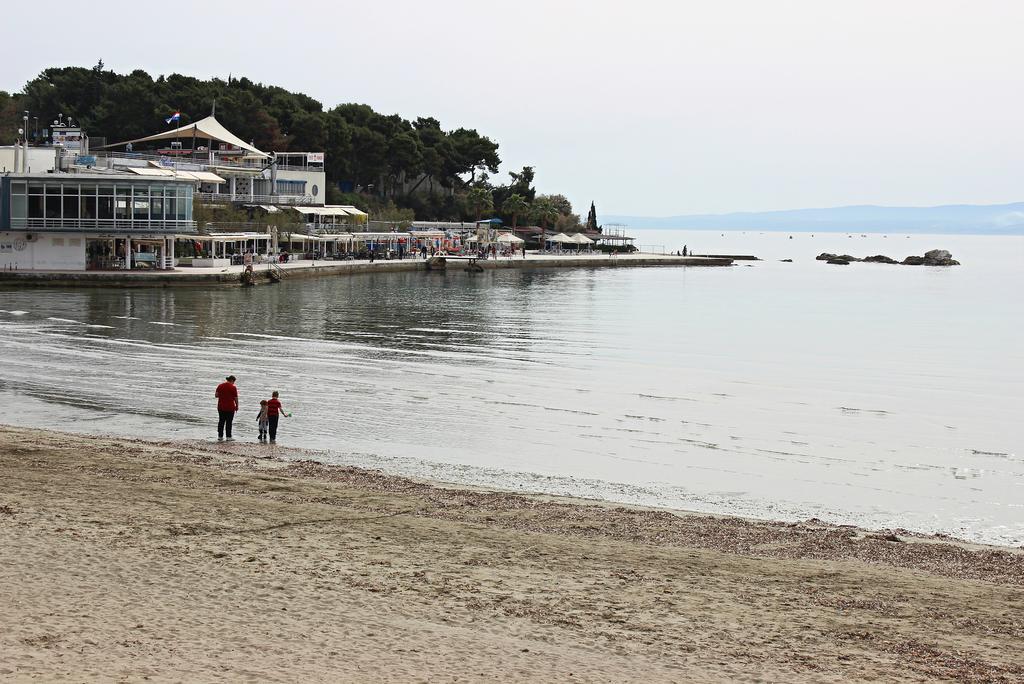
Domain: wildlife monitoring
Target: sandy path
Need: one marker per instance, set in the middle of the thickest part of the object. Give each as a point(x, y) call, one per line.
point(124, 560)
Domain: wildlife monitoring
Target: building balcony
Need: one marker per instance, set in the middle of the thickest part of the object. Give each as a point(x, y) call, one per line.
point(225, 197)
point(122, 225)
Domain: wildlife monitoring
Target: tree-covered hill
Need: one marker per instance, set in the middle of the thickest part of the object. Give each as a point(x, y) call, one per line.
point(363, 148)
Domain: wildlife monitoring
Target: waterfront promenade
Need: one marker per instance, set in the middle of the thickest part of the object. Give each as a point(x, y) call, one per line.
point(231, 275)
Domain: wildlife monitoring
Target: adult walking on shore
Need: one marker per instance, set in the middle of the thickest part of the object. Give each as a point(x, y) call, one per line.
point(227, 405)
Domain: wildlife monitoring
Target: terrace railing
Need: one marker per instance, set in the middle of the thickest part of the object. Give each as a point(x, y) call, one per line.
point(103, 225)
point(215, 197)
point(185, 162)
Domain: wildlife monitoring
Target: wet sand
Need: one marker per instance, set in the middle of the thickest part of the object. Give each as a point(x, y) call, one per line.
point(131, 560)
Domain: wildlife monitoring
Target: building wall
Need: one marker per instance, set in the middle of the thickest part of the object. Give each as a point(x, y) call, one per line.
point(312, 178)
point(25, 251)
point(40, 159)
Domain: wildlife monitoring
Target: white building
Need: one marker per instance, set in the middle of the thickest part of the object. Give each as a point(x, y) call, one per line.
point(87, 220)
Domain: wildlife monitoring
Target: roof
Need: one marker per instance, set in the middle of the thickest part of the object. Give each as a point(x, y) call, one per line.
point(208, 129)
point(202, 176)
point(330, 210)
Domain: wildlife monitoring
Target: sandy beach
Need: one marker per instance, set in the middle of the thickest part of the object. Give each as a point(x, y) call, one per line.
point(125, 560)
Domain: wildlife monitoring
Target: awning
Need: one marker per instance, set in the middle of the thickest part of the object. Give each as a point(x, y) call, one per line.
point(223, 237)
point(333, 237)
point(381, 236)
point(207, 129)
point(352, 211)
point(150, 171)
point(333, 211)
point(201, 176)
point(206, 177)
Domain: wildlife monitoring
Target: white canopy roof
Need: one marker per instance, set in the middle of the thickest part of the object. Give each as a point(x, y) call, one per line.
point(380, 236)
point(208, 129)
point(561, 238)
point(330, 210)
point(510, 238)
point(223, 237)
point(580, 239)
point(201, 176)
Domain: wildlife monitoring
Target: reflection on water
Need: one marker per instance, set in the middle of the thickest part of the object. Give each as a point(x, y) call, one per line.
point(878, 395)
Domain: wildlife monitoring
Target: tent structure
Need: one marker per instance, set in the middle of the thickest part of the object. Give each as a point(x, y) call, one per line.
point(207, 129)
point(201, 176)
point(560, 238)
point(580, 239)
point(510, 238)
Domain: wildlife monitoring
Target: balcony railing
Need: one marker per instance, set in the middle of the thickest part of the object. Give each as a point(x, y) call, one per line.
point(103, 225)
point(254, 199)
point(185, 162)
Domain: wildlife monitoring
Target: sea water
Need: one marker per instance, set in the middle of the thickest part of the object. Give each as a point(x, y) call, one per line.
point(870, 394)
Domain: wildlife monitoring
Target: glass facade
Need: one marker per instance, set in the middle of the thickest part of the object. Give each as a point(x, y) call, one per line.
point(101, 203)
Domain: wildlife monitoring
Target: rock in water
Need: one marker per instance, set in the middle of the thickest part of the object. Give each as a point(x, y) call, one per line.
point(939, 257)
point(935, 257)
point(838, 261)
point(881, 259)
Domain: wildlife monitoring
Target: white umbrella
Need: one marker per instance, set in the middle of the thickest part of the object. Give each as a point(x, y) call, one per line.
point(581, 239)
point(561, 238)
point(510, 238)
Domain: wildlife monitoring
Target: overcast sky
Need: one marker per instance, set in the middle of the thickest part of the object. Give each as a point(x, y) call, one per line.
point(648, 108)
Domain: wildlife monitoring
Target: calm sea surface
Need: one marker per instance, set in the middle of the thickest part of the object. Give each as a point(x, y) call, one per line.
point(884, 396)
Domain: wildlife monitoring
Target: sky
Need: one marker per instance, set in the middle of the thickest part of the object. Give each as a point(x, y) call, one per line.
point(646, 108)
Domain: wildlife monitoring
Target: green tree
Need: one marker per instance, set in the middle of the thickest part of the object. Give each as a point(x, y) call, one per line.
point(592, 218)
point(515, 206)
point(544, 211)
point(479, 200)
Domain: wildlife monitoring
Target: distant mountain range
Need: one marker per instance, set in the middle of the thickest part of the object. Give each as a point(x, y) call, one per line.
point(990, 219)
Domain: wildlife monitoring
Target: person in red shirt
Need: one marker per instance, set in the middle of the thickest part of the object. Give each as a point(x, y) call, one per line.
point(227, 404)
point(274, 412)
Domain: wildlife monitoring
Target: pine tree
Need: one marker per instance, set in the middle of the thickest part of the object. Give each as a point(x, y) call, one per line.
point(592, 219)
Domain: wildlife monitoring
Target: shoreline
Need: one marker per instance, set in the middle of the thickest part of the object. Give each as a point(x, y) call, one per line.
point(231, 275)
point(179, 560)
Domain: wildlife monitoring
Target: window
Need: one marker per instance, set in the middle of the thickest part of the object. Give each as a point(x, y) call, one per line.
point(141, 203)
point(71, 206)
point(36, 202)
point(87, 207)
point(52, 210)
point(105, 209)
point(19, 200)
point(123, 202)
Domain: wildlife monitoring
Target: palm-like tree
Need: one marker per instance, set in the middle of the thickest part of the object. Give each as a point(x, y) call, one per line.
point(479, 200)
point(544, 210)
point(515, 204)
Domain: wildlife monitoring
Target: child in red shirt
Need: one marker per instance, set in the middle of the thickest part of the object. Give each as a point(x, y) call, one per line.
point(274, 411)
